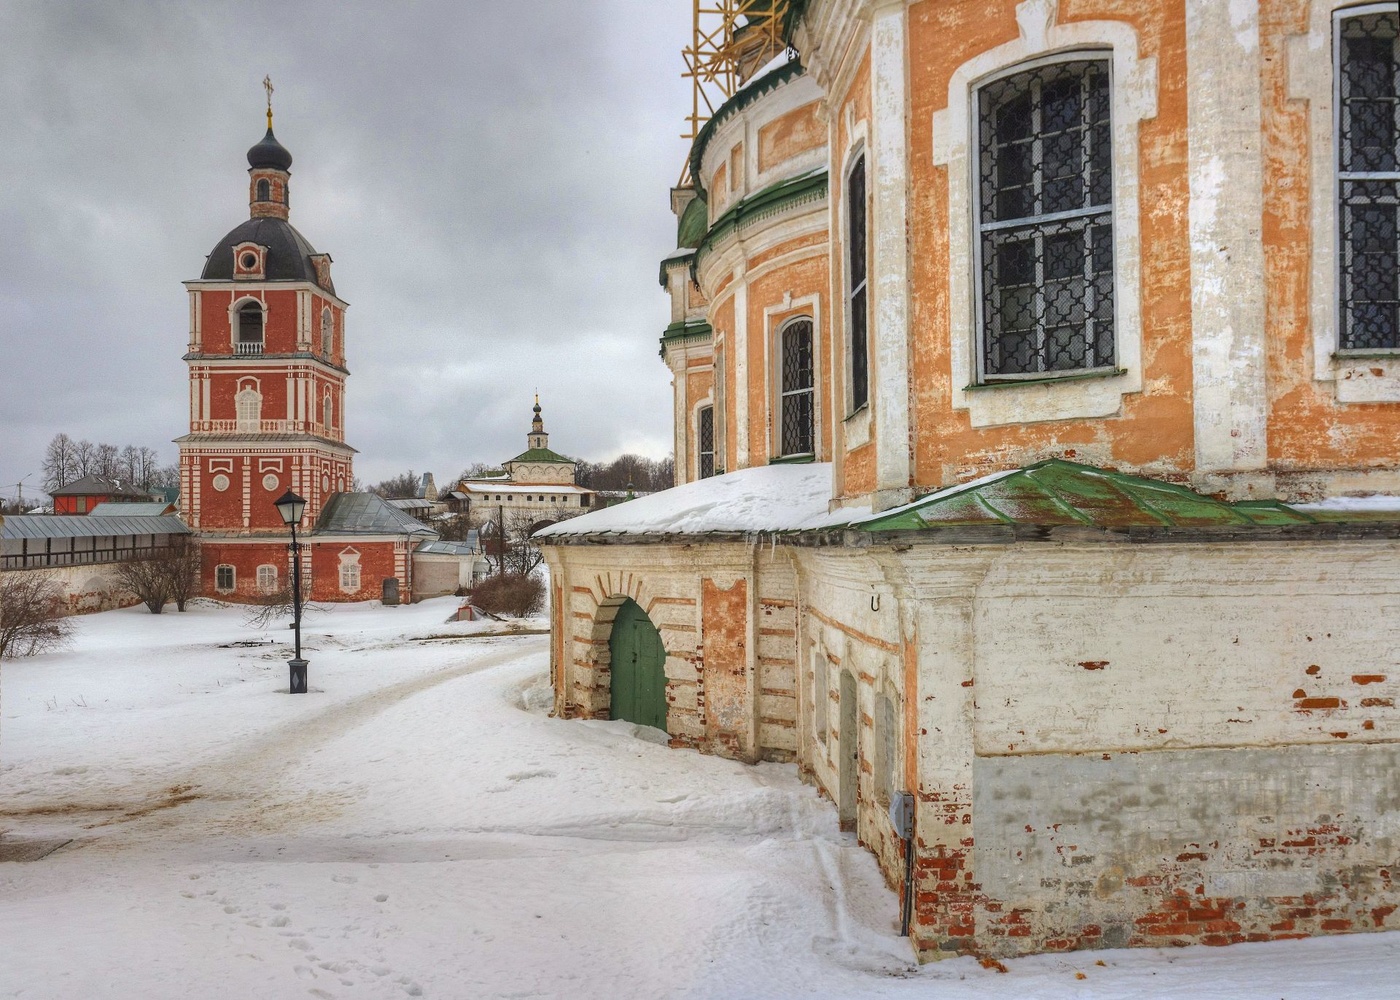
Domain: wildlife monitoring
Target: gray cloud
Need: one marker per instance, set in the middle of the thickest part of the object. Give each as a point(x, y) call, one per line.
point(491, 180)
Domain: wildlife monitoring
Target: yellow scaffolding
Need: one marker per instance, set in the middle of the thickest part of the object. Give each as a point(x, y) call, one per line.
point(731, 39)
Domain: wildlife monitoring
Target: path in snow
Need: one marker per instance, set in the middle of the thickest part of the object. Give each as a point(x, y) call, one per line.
point(420, 827)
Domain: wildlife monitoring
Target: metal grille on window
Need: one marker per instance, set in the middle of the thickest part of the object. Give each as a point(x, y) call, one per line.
point(797, 389)
point(706, 420)
point(1368, 180)
point(1046, 221)
point(855, 270)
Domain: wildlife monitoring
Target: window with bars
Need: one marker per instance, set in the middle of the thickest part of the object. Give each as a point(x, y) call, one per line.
point(1045, 221)
point(797, 394)
point(1368, 177)
point(705, 431)
point(856, 284)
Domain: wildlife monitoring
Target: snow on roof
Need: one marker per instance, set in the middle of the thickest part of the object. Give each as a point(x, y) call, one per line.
point(767, 498)
point(77, 526)
point(476, 487)
point(1378, 502)
point(109, 509)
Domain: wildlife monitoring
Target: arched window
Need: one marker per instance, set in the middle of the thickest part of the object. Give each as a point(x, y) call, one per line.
point(705, 445)
point(327, 332)
point(249, 406)
point(856, 298)
point(349, 571)
point(797, 399)
point(1368, 176)
point(1045, 221)
point(250, 329)
point(264, 191)
point(327, 410)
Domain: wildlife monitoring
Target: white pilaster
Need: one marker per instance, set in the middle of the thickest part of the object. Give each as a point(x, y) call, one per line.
point(890, 266)
point(742, 375)
point(1224, 114)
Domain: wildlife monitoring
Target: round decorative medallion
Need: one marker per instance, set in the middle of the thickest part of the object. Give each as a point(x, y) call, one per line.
point(220, 482)
point(325, 483)
point(270, 482)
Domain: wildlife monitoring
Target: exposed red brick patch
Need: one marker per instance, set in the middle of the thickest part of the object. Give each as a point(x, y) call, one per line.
point(1093, 664)
point(1367, 678)
point(1320, 704)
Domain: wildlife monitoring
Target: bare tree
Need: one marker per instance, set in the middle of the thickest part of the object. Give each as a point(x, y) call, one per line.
point(33, 615)
point(108, 459)
point(84, 459)
point(181, 560)
point(58, 463)
point(147, 581)
point(403, 485)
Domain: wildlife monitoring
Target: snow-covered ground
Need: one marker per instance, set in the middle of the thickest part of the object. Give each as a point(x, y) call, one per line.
point(418, 826)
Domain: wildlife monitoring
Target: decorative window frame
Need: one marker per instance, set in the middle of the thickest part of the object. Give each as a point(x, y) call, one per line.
point(1133, 92)
point(255, 273)
point(708, 402)
point(855, 421)
point(327, 332)
point(267, 578)
point(1356, 376)
point(232, 585)
point(234, 309)
point(776, 319)
point(349, 571)
point(249, 391)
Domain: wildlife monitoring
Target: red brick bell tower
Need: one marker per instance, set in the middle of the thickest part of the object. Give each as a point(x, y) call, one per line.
point(267, 373)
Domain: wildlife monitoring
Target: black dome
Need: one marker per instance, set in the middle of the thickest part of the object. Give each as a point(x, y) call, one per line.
point(288, 252)
point(270, 153)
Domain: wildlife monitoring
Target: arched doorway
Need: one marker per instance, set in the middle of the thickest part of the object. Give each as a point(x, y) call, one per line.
point(638, 668)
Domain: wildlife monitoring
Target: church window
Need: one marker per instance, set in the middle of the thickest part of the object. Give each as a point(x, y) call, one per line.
point(250, 329)
point(1045, 222)
point(797, 396)
point(224, 578)
point(267, 578)
point(1368, 177)
point(856, 298)
point(705, 431)
point(264, 191)
point(327, 411)
point(350, 572)
point(249, 408)
point(327, 332)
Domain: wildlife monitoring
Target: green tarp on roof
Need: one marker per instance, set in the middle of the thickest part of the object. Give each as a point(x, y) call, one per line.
point(1056, 492)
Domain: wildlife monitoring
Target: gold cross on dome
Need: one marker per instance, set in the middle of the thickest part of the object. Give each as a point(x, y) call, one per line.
point(267, 85)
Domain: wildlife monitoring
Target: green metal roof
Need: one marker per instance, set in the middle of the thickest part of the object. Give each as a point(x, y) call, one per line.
point(1059, 493)
point(741, 99)
point(541, 455)
point(690, 230)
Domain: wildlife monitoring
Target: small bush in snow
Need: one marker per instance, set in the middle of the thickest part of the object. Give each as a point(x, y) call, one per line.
point(512, 594)
point(32, 614)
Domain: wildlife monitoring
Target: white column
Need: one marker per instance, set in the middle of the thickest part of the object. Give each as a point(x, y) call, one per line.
point(742, 375)
point(1225, 165)
point(889, 161)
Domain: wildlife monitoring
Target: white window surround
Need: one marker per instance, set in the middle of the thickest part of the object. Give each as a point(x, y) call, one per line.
point(707, 403)
point(1134, 99)
point(1312, 59)
point(267, 578)
point(248, 406)
point(776, 319)
point(237, 305)
point(855, 423)
point(349, 571)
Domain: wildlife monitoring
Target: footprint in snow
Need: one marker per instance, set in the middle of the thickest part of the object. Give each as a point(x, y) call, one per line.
point(526, 775)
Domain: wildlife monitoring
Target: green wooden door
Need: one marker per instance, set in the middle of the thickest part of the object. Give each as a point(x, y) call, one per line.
point(638, 669)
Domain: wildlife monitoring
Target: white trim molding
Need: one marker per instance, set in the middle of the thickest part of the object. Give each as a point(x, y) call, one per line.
point(1134, 97)
point(1312, 59)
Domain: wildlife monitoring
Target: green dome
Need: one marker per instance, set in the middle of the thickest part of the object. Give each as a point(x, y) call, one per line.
point(694, 221)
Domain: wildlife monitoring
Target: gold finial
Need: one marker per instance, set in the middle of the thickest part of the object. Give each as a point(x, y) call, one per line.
point(267, 85)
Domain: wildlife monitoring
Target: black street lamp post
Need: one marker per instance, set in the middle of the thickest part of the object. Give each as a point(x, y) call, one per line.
point(292, 507)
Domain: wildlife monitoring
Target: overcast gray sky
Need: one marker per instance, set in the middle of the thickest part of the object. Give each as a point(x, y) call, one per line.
point(491, 179)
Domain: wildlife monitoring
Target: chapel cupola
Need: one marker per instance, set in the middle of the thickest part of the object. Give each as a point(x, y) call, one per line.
point(269, 172)
point(538, 438)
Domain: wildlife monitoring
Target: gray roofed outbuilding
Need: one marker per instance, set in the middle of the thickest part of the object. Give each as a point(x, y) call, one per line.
point(62, 526)
point(95, 486)
point(154, 509)
point(366, 514)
